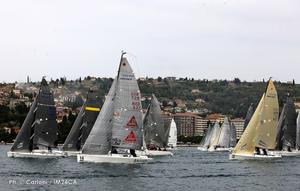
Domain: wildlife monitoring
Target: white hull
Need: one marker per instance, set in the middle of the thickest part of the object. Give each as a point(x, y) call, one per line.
point(154, 153)
point(35, 154)
point(202, 149)
point(113, 158)
point(220, 150)
point(286, 153)
point(72, 153)
point(253, 157)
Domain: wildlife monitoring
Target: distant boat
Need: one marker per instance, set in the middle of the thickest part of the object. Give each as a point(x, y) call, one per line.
point(117, 132)
point(154, 133)
point(225, 139)
point(287, 130)
point(248, 116)
point(83, 124)
point(172, 136)
point(38, 134)
point(298, 133)
point(233, 138)
point(260, 134)
point(204, 144)
point(211, 137)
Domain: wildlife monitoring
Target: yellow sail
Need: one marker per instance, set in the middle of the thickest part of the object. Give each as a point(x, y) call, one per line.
point(262, 128)
point(267, 128)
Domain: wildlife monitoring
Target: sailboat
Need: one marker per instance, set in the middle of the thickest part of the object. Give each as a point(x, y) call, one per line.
point(287, 129)
point(260, 134)
point(224, 139)
point(232, 136)
point(83, 124)
point(38, 134)
point(298, 133)
point(248, 116)
point(154, 133)
point(117, 132)
point(211, 137)
point(172, 136)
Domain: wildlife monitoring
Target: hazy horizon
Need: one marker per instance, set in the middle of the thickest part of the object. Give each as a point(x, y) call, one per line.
point(216, 39)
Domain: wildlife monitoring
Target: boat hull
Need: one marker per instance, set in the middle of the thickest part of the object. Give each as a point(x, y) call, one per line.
point(11, 154)
point(113, 158)
point(72, 153)
point(202, 149)
point(220, 150)
point(292, 153)
point(253, 157)
point(154, 153)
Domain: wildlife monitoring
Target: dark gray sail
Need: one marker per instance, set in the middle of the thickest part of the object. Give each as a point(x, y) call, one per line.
point(298, 132)
point(45, 126)
point(127, 121)
point(154, 125)
point(22, 142)
point(39, 130)
point(249, 114)
point(232, 135)
point(289, 135)
point(84, 122)
point(99, 139)
point(280, 129)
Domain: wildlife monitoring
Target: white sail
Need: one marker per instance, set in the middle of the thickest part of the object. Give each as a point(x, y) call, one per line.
point(224, 139)
point(172, 141)
point(215, 135)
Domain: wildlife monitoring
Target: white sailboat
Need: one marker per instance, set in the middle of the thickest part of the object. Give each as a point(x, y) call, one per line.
point(211, 137)
point(117, 132)
point(172, 138)
point(38, 135)
point(222, 143)
point(260, 134)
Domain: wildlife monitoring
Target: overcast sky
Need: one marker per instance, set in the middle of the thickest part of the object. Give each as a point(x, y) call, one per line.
point(213, 39)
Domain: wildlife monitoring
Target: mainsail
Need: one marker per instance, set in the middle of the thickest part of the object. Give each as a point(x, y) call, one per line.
point(154, 125)
point(39, 130)
point(99, 139)
point(206, 139)
point(215, 135)
point(298, 132)
point(232, 135)
point(127, 120)
point(248, 116)
point(224, 139)
point(84, 122)
point(289, 135)
point(262, 128)
point(172, 141)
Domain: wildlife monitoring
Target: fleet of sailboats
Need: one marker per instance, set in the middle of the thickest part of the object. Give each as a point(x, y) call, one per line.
point(117, 133)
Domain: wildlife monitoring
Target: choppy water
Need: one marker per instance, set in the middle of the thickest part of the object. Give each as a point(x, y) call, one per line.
point(187, 170)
